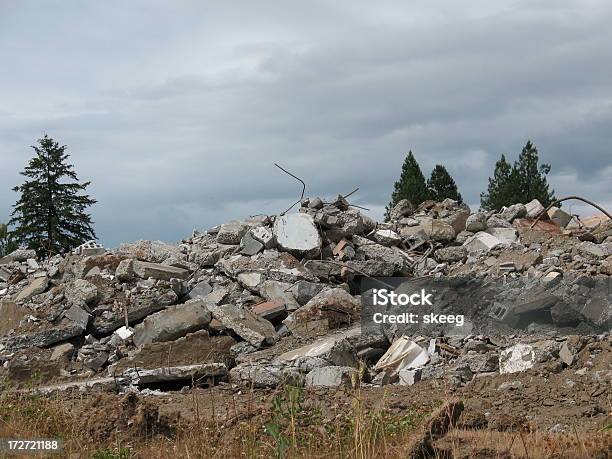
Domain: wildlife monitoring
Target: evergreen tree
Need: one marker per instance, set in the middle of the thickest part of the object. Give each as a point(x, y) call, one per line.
point(500, 191)
point(441, 185)
point(411, 185)
point(50, 215)
point(522, 182)
point(530, 179)
point(5, 243)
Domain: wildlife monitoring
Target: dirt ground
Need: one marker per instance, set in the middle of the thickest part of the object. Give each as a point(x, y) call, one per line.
point(549, 411)
point(520, 415)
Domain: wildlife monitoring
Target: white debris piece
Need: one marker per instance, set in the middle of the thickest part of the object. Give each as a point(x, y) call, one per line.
point(263, 235)
point(89, 248)
point(481, 241)
point(124, 333)
point(409, 377)
point(504, 235)
point(403, 354)
point(559, 216)
point(517, 358)
point(297, 233)
point(387, 237)
point(534, 208)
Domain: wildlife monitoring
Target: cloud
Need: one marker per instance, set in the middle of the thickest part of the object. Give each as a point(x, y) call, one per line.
point(176, 111)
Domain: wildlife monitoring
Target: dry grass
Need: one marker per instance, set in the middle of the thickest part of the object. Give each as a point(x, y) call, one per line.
point(287, 427)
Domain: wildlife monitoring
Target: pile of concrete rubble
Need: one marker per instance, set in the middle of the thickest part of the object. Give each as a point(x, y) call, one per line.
point(276, 298)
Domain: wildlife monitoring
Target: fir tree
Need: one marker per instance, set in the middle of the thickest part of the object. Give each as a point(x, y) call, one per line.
point(50, 215)
point(441, 185)
point(411, 185)
point(5, 243)
point(499, 192)
point(530, 179)
point(523, 182)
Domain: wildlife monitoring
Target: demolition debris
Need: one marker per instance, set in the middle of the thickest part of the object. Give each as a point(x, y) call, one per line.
point(271, 299)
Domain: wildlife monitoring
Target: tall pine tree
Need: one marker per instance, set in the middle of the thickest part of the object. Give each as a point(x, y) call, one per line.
point(499, 192)
point(441, 185)
point(4, 240)
point(411, 185)
point(523, 182)
point(530, 179)
point(50, 215)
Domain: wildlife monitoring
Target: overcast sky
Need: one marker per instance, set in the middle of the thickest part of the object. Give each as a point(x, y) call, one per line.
point(176, 110)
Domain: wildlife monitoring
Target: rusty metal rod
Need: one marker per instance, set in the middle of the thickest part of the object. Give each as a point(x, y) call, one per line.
point(297, 178)
point(565, 199)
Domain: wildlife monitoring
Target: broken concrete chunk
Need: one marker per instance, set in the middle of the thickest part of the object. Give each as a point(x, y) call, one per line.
point(479, 363)
point(476, 222)
point(89, 249)
point(78, 316)
point(81, 291)
point(316, 203)
point(5, 274)
point(187, 373)
point(250, 280)
point(172, 323)
point(36, 286)
point(560, 217)
point(403, 208)
point(158, 271)
point(458, 220)
point(334, 306)
point(322, 269)
point(152, 251)
point(297, 234)
point(250, 246)
point(192, 349)
point(520, 357)
point(497, 222)
point(269, 310)
point(534, 208)
point(303, 291)
point(19, 255)
point(231, 233)
point(273, 291)
point(437, 230)
point(504, 235)
point(481, 242)
point(332, 377)
point(74, 324)
point(566, 354)
point(124, 333)
point(263, 235)
point(62, 352)
point(125, 270)
point(450, 254)
point(409, 377)
point(592, 250)
point(397, 261)
point(386, 237)
point(514, 211)
point(200, 290)
point(334, 349)
point(245, 324)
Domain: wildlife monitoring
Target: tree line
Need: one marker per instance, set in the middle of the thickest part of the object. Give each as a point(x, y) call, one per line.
point(51, 217)
point(522, 182)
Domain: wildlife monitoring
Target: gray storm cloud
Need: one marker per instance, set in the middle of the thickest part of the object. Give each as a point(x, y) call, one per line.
point(176, 111)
